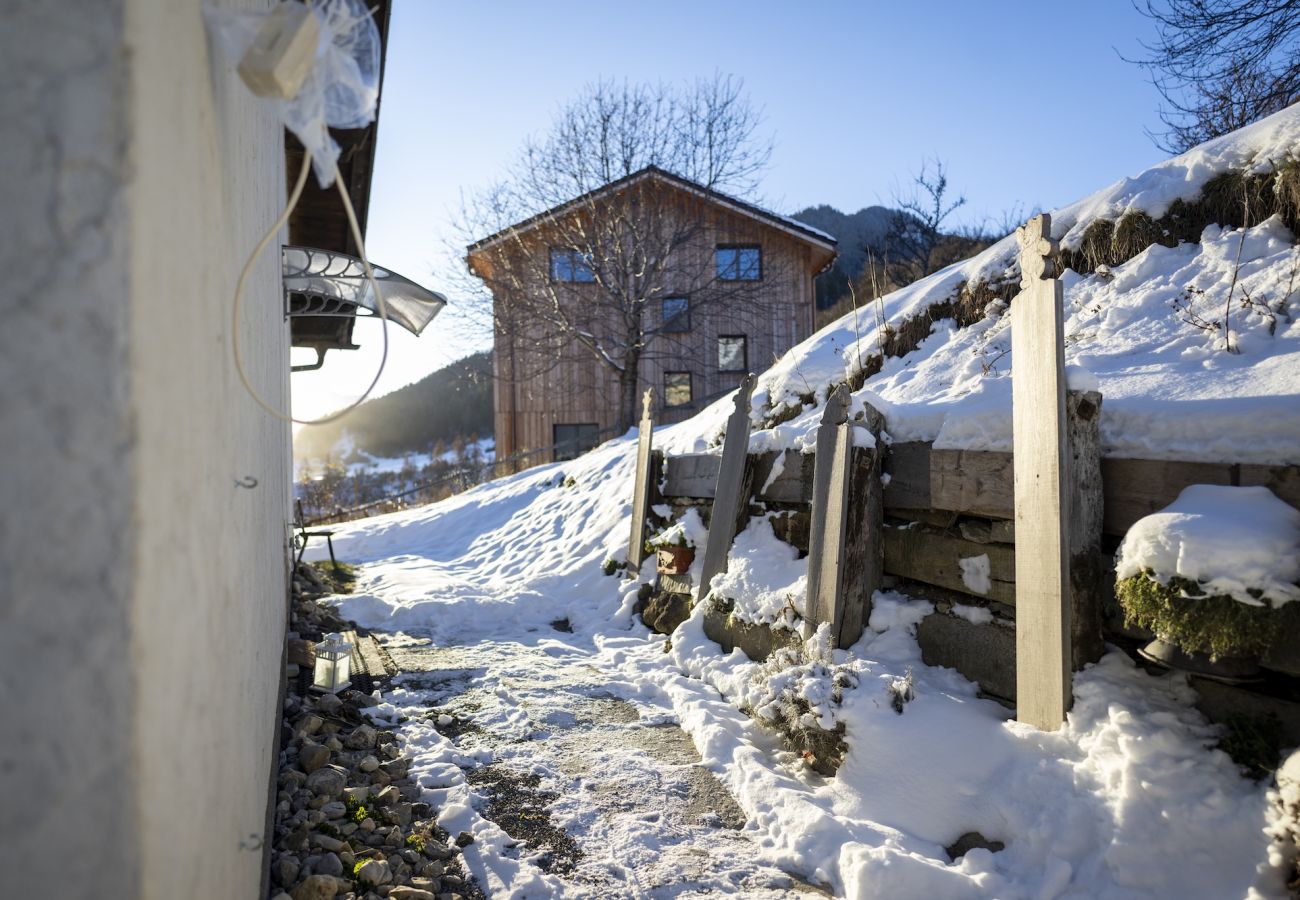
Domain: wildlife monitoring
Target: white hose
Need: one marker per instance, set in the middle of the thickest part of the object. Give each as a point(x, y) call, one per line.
point(270, 235)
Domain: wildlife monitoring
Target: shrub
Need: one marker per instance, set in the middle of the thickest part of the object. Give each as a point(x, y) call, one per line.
point(1181, 613)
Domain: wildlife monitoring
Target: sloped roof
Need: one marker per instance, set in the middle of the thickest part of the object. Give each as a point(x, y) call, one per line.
point(792, 227)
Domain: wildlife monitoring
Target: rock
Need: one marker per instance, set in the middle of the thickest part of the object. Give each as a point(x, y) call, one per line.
point(433, 869)
point(308, 724)
point(368, 764)
point(394, 838)
point(311, 756)
point(411, 792)
point(387, 797)
point(334, 743)
point(296, 839)
point(437, 850)
point(292, 779)
point(335, 809)
point(316, 887)
point(325, 842)
point(425, 884)
point(380, 778)
point(327, 781)
point(362, 738)
point(329, 704)
point(327, 864)
point(397, 768)
point(404, 892)
point(368, 824)
point(357, 794)
point(302, 653)
point(347, 828)
point(374, 872)
point(464, 839)
point(972, 840)
point(362, 701)
point(285, 869)
point(403, 813)
point(282, 896)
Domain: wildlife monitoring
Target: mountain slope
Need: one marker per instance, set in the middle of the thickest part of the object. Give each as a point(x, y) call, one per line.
point(455, 401)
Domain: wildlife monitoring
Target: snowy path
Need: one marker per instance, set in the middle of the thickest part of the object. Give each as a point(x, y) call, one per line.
point(570, 788)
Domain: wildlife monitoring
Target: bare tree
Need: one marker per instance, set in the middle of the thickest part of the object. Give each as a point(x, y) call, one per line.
point(585, 242)
point(1220, 64)
point(915, 229)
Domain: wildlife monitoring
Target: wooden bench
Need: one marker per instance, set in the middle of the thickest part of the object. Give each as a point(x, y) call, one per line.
point(304, 535)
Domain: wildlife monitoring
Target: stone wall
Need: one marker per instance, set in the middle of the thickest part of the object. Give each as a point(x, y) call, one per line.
point(142, 593)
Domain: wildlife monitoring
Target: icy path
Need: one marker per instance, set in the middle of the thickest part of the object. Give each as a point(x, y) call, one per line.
point(573, 782)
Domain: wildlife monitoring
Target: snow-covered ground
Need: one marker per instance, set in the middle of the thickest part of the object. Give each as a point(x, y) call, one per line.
point(1128, 800)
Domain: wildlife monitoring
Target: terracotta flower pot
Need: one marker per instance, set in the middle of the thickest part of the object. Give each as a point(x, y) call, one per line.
point(675, 560)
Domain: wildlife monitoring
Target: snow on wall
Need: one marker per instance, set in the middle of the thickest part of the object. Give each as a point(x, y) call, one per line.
point(141, 593)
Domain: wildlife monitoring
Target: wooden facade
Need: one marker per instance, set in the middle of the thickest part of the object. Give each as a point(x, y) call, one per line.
point(540, 384)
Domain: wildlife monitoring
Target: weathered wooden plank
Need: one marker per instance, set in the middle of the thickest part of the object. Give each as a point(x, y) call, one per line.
point(908, 466)
point(691, 475)
point(1088, 581)
point(932, 557)
point(794, 483)
point(641, 486)
point(730, 494)
point(1042, 483)
point(988, 531)
point(1133, 488)
point(1284, 481)
point(864, 555)
point(977, 482)
point(826, 532)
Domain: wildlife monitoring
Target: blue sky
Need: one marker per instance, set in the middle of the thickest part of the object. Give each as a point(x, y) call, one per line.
point(1026, 103)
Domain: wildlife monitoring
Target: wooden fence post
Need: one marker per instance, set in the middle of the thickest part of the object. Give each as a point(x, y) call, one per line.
point(826, 530)
point(729, 496)
point(1087, 512)
point(1042, 483)
point(845, 550)
point(641, 487)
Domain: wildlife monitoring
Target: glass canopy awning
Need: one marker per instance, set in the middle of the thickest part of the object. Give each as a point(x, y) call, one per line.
point(326, 291)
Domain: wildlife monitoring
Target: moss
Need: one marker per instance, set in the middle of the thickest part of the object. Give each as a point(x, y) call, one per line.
point(340, 578)
point(1253, 742)
point(1181, 613)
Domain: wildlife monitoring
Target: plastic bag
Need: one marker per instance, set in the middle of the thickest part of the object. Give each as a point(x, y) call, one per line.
point(342, 89)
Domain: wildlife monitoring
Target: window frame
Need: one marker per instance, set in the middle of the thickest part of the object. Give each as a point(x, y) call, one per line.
point(744, 352)
point(684, 315)
point(574, 257)
point(690, 389)
point(737, 248)
point(576, 443)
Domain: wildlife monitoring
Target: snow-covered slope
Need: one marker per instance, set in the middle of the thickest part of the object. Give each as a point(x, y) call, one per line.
point(1126, 801)
point(1171, 389)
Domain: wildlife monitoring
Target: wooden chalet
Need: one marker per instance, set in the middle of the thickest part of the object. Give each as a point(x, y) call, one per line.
point(737, 293)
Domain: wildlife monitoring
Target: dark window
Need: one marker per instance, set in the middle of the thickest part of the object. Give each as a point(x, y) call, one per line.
point(677, 315)
point(740, 263)
point(571, 265)
point(571, 441)
point(732, 353)
point(677, 388)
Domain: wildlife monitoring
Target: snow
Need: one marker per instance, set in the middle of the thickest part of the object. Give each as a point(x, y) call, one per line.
point(762, 579)
point(976, 615)
point(1171, 390)
point(1128, 799)
point(1232, 540)
point(975, 573)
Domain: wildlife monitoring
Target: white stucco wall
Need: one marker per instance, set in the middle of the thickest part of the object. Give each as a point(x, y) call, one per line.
point(141, 591)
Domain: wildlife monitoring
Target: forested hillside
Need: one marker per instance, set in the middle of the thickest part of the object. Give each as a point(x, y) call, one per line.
point(455, 401)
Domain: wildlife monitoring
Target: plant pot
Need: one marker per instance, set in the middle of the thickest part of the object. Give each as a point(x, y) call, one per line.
point(1227, 669)
point(674, 560)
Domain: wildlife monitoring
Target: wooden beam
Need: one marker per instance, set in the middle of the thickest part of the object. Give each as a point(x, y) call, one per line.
point(694, 475)
point(1042, 483)
point(932, 557)
point(908, 466)
point(730, 494)
point(977, 482)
